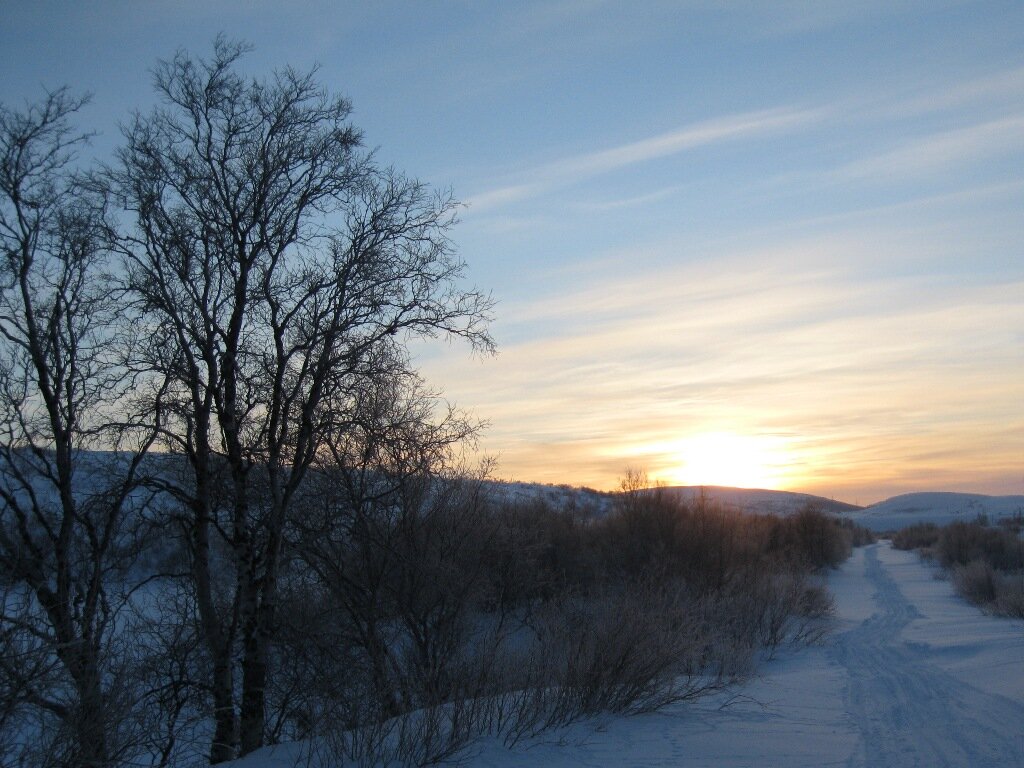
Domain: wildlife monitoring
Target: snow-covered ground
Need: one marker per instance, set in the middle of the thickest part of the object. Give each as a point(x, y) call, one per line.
point(939, 508)
point(911, 676)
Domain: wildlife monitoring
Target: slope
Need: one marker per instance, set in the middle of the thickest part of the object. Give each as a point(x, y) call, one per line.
point(934, 507)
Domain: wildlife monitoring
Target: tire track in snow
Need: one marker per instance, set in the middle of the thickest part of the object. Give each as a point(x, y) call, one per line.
point(909, 711)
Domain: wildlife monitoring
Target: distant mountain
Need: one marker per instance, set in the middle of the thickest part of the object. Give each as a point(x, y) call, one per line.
point(892, 514)
point(749, 500)
point(762, 501)
point(897, 512)
point(936, 507)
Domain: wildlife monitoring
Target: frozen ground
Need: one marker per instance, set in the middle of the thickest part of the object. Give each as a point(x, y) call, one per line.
point(911, 676)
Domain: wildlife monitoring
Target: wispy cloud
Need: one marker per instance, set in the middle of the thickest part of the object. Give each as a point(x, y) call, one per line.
point(923, 154)
point(862, 375)
point(939, 151)
point(633, 201)
point(1001, 86)
point(571, 170)
point(793, 17)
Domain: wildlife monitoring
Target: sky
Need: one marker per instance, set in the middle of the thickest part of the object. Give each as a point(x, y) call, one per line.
point(764, 244)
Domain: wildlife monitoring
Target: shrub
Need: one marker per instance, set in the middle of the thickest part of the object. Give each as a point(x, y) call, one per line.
point(961, 543)
point(986, 563)
point(809, 538)
point(1015, 523)
point(446, 617)
point(977, 581)
point(628, 651)
point(919, 536)
point(819, 539)
point(859, 535)
point(1010, 595)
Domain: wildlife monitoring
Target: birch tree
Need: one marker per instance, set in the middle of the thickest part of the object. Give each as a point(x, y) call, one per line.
point(64, 537)
point(275, 266)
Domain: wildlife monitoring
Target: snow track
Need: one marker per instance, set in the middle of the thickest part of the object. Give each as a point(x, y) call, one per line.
point(909, 711)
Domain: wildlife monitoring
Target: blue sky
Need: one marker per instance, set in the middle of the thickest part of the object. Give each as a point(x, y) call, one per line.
point(775, 244)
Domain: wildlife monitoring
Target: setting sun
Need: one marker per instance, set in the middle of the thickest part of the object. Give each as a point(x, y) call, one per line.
point(725, 458)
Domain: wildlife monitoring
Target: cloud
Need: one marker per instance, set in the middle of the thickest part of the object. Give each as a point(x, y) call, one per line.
point(795, 17)
point(869, 377)
point(571, 170)
point(924, 154)
point(633, 201)
point(939, 151)
point(1003, 86)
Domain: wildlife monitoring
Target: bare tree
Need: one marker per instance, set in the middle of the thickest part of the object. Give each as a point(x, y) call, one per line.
point(276, 267)
point(387, 533)
point(63, 544)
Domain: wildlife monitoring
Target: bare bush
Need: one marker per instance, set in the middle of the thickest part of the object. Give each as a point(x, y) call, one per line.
point(656, 603)
point(1010, 595)
point(986, 562)
point(962, 543)
point(859, 535)
point(977, 581)
point(918, 536)
point(778, 605)
point(592, 652)
point(817, 538)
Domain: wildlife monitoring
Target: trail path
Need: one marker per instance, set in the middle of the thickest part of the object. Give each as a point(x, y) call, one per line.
point(908, 710)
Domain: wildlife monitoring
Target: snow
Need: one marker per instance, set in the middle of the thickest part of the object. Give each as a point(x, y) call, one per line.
point(975, 648)
point(899, 694)
point(910, 676)
point(939, 508)
point(791, 711)
point(558, 496)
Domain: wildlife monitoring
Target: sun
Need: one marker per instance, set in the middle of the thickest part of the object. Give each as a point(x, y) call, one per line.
point(726, 458)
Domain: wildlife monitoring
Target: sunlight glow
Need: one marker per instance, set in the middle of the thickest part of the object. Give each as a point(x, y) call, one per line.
point(725, 458)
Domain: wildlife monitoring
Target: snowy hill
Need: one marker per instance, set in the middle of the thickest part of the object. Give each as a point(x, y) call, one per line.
point(761, 501)
point(939, 508)
point(892, 514)
point(558, 496)
point(749, 500)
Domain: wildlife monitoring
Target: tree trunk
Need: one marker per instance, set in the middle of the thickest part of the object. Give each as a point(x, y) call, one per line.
point(218, 642)
point(90, 723)
point(225, 737)
point(254, 682)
